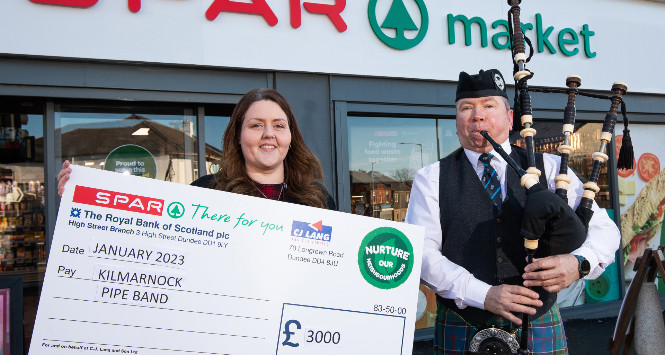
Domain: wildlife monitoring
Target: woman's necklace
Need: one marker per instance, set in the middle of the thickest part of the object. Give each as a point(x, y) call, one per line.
point(281, 190)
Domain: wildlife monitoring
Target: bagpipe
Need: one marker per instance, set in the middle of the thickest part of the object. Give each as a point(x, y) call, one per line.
point(549, 225)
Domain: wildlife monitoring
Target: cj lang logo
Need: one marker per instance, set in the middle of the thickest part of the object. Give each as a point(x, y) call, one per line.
point(316, 232)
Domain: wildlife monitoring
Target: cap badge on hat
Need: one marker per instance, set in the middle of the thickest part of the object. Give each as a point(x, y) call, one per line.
point(499, 82)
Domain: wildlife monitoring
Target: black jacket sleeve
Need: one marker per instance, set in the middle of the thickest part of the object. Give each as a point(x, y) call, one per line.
point(204, 181)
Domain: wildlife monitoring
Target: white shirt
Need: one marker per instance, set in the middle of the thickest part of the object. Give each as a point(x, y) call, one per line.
point(451, 280)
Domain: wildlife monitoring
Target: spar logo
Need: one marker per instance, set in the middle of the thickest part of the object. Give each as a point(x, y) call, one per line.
point(399, 21)
point(175, 210)
point(118, 200)
point(316, 232)
point(385, 258)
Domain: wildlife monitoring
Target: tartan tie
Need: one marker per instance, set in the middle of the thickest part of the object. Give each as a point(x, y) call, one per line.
point(490, 180)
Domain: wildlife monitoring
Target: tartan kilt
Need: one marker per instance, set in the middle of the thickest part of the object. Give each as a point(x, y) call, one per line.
point(452, 335)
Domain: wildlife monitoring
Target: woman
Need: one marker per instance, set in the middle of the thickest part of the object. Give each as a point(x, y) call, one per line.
point(264, 155)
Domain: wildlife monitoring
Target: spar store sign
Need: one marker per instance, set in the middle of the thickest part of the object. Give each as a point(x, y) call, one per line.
point(568, 41)
point(398, 29)
point(256, 7)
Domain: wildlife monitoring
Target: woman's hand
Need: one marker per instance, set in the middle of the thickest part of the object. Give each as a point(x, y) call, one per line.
point(63, 177)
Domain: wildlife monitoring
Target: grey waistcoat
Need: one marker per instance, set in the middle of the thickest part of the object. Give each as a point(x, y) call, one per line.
point(486, 242)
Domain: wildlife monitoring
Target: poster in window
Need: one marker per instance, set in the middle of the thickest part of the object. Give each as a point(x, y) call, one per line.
point(642, 193)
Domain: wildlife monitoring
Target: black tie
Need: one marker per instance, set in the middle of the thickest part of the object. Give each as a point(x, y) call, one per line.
point(490, 180)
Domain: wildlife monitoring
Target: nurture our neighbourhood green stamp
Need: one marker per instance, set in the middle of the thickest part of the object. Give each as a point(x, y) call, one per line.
point(385, 258)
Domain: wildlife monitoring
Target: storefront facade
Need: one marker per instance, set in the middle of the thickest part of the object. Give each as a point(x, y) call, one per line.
point(372, 87)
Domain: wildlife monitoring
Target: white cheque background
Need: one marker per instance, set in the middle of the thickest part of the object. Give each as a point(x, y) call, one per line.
point(223, 299)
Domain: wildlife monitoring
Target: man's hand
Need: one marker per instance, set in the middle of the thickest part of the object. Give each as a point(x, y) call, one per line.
point(553, 273)
point(505, 299)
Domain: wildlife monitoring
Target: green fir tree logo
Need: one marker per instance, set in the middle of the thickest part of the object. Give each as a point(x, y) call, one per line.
point(399, 19)
point(175, 210)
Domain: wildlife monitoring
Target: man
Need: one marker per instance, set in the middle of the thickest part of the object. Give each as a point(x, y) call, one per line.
point(473, 255)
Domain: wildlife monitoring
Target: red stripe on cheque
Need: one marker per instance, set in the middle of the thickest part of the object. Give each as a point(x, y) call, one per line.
point(118, 200)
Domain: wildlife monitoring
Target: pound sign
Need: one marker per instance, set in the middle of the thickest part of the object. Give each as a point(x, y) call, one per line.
point(288, 333)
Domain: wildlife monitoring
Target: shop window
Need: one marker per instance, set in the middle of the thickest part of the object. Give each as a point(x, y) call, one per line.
point(216, 120)
point(22, 192)
point(157, 141)
point(642, 195)
point(585, 141)
point(384, 155)
point(22, 200)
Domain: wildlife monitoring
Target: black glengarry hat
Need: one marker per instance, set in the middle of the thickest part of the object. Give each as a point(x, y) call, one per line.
point(485, 83)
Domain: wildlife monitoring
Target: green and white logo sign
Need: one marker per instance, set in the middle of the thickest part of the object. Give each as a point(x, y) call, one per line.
point(175, 210)
point(385, 258)
point(131, 159)
point(398, 18)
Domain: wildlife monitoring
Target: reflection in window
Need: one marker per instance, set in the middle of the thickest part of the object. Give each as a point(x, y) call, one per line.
point(585, 141)
point(216, 119)
point(214, 133)
point(448, 140)
point(384, 155)
point(155, 142)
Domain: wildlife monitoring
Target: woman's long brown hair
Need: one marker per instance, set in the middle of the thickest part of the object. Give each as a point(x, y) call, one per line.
point(302, 170)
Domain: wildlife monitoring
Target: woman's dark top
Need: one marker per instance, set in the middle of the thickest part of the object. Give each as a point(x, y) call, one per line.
point(207, 181)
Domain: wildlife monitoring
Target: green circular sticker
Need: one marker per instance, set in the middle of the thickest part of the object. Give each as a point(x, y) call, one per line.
point(131, 159)
point(385, 258)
